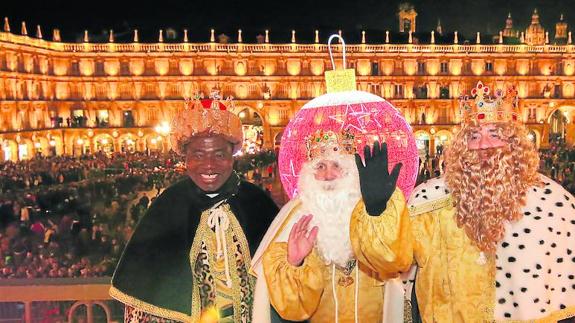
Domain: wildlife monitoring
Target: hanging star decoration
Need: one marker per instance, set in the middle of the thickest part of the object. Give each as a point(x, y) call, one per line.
point(401, 138)
point(379, 117)
point(353, 118)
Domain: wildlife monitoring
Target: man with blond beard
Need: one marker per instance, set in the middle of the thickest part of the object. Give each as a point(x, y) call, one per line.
point(493, 239)
point(322, 258)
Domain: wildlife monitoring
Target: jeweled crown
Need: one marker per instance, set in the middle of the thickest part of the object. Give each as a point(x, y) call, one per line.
point(205, 116)
point(215, 101)
point(482, 107)
point(325, 142)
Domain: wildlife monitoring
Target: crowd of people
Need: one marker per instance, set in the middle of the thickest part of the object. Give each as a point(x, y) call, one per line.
point(71, 216)
point(558, 162)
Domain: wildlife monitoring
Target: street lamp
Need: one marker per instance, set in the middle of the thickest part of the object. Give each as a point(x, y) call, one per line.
point(163, 128)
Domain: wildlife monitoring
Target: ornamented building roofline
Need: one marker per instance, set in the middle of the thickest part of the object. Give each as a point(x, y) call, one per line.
point(113, 47)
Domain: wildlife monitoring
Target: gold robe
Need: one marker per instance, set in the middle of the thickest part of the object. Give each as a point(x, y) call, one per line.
point(305, 292)
point(526, 282)
point(447, 263)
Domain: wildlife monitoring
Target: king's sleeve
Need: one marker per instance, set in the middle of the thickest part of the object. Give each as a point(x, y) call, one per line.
point(383, 243)
point(294, 292)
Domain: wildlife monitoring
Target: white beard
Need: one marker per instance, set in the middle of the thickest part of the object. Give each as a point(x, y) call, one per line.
point(331, 204)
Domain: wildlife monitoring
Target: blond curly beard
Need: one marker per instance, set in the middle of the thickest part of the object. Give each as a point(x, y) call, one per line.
point(331, 203)
point(490, 190)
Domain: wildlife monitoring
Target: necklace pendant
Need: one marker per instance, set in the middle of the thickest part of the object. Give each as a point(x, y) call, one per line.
point(345, 281)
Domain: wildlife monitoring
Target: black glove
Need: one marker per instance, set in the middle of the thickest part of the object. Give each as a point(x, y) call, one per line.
point(377, 184)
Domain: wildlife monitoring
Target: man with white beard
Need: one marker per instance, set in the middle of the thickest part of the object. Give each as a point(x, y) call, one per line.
point(322, 258)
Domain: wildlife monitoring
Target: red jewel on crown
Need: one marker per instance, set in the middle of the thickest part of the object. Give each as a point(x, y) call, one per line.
point(484, 108)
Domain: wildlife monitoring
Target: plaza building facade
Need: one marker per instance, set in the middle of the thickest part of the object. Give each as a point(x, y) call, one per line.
point(75, 98)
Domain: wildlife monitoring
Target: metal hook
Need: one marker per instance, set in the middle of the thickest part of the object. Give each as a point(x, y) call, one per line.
point(331, 54)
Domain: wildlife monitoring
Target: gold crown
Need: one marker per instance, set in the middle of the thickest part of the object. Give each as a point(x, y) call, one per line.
point(205, 116)
point(483, 108)
point(324, 142)
point(215, 101)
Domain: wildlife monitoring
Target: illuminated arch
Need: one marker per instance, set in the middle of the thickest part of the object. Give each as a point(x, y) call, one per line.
point(561, 123)
point(25, 148)
point(103, 142)
point(9, 150)
point(534, 136)
point(153, 142)
point(80, 145)
point(128, 142)
point(254, 127)
point(278, 138)
point(423, 142)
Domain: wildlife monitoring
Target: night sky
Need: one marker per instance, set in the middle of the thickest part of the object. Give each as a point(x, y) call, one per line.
point(280, 17)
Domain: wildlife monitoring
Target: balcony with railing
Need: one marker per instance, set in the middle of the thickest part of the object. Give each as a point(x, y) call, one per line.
point(58, 300)
point(25, 40)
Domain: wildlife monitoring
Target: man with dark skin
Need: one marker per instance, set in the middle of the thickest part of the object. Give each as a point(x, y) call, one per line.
point(188, 259)
point(209, 162)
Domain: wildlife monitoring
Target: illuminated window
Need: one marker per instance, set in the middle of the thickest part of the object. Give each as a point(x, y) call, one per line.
point(488, 66)
point(444, 92)
point(374, 68)
point(128, 118)
point(398, 91)
point(421, 68)
point(420, 92)
point(78, 119)
point(103, 118)
point(406, 25)
point(444, 68)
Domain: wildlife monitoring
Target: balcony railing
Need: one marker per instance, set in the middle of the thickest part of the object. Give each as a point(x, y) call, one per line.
point(85, 298)
point(277, 48)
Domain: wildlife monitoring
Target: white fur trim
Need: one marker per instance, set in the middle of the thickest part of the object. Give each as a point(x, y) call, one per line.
point(536, 258)
point(428, 191)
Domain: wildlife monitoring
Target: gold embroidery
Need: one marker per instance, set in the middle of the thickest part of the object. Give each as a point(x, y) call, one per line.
point(407, 310)
point(430, 206)
point(202, 234)
point(147, 307)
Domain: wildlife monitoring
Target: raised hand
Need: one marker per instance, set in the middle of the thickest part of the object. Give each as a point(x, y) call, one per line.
point(300, 241)
point(377, 183)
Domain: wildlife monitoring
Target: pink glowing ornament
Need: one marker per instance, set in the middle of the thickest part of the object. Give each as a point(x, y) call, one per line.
point(367, 116)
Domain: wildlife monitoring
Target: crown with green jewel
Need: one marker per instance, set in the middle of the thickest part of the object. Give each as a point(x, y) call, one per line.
point(326, 142)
